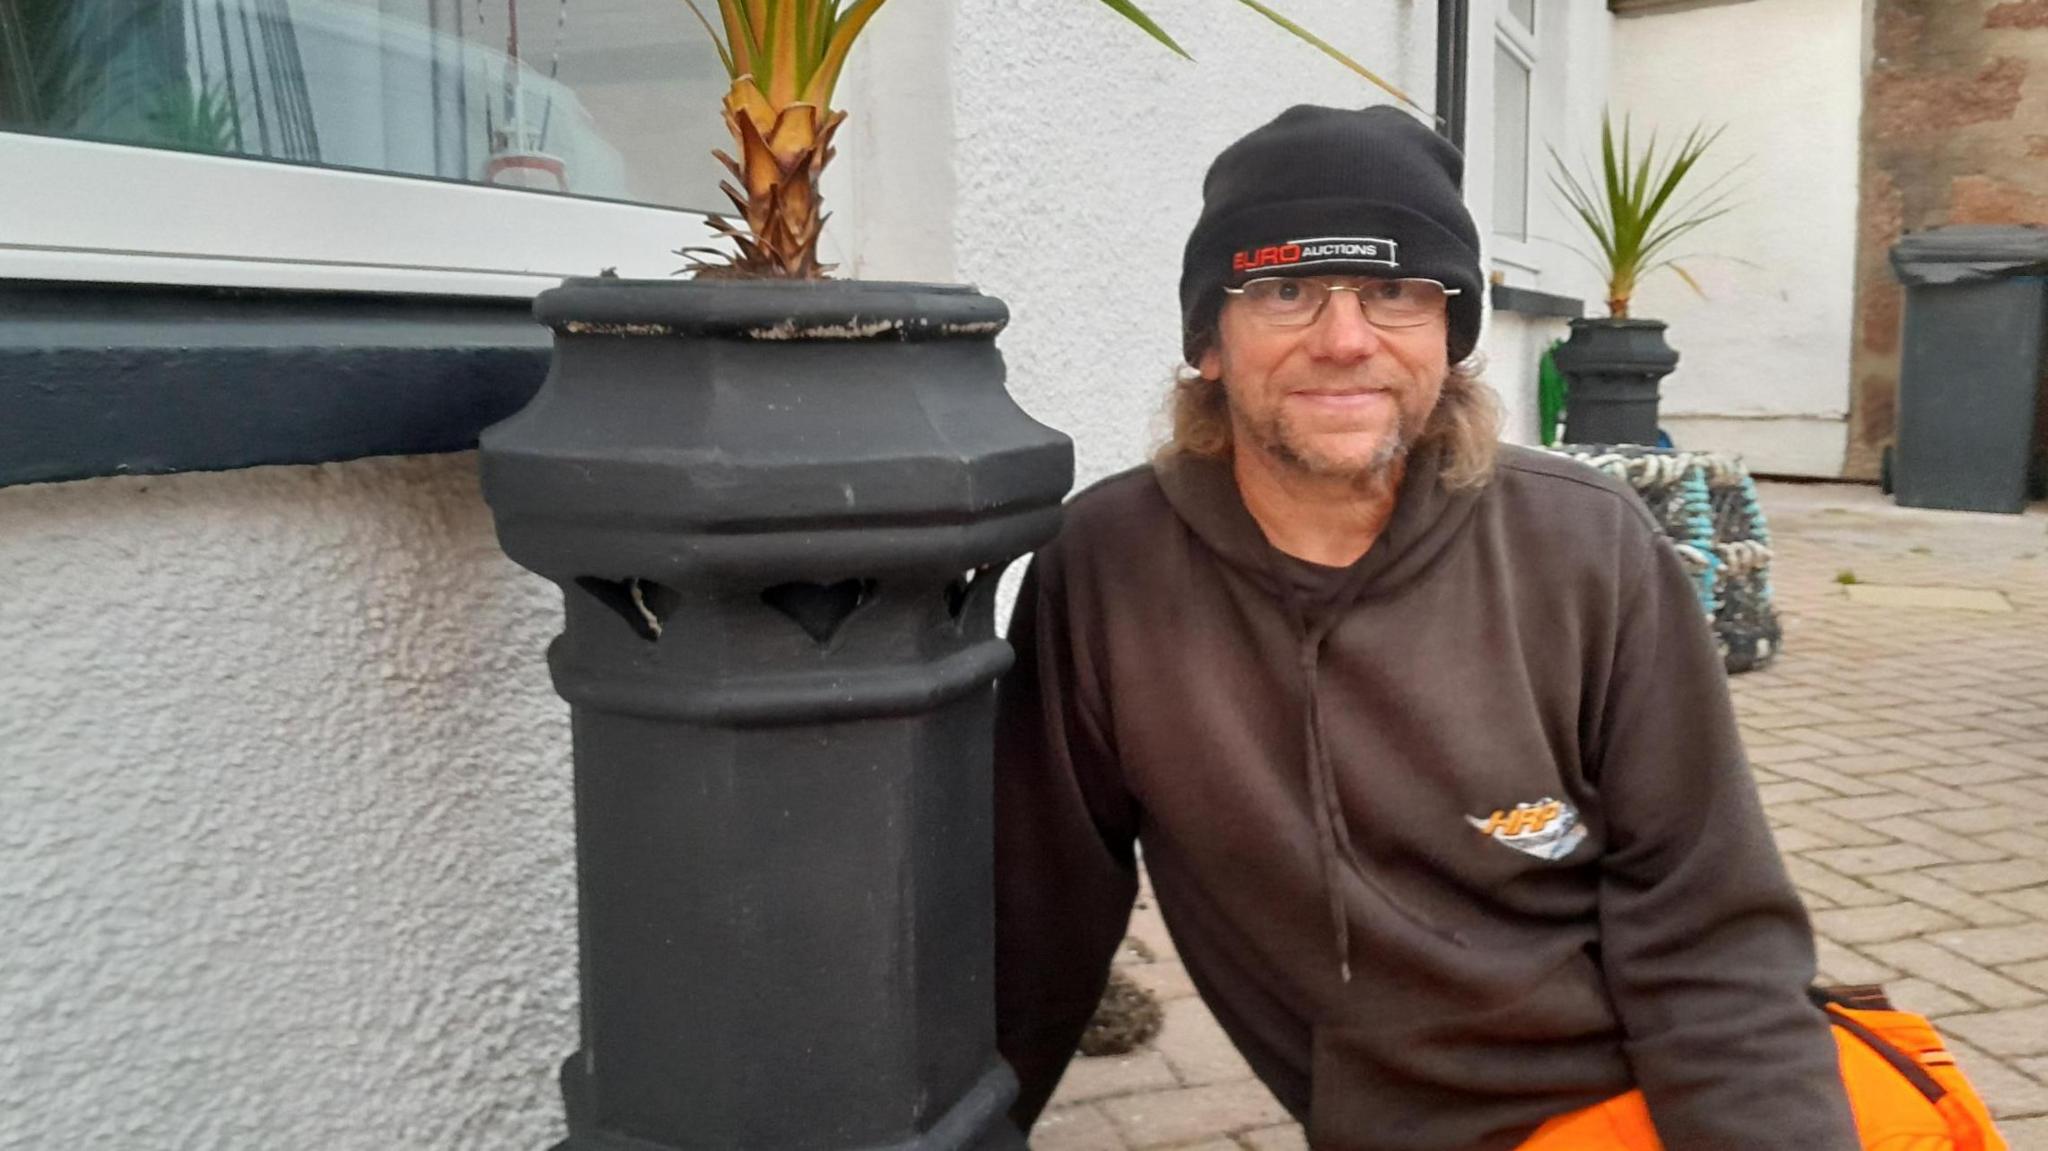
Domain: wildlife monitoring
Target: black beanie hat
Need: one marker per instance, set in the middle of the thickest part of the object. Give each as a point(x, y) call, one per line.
point(1333, 191)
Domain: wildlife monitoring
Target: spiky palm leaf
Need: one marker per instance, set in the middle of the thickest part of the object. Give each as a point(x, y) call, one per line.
point(67, 66)
point(784, 58)
point(187, 116)
point(44, 65)
point(1630, 209)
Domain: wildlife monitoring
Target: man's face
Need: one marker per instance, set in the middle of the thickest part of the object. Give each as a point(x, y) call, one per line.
point(1336, 398)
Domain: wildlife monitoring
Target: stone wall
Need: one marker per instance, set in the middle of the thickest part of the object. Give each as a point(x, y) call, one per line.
point(1955, 131)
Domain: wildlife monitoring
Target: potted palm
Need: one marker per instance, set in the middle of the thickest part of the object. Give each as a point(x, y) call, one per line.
point(1631, 212)
point(776, 506)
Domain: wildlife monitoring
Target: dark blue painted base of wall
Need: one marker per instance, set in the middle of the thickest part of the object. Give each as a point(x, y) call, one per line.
point(100, 380)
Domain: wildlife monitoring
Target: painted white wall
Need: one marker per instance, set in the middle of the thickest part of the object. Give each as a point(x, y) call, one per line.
point(285, 849)
point(1765, 357)
point(892, 190)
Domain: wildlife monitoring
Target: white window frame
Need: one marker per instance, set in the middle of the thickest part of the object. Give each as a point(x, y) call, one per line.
point(1526, 46)
point(111, 213)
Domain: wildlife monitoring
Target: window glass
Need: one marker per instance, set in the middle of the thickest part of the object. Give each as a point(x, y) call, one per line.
point(1510, 143)
point(605, 98)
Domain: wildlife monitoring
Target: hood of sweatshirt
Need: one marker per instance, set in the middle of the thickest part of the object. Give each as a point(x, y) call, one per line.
point(1427, 517)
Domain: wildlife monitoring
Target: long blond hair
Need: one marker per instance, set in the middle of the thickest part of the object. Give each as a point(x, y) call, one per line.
point(1466, 422)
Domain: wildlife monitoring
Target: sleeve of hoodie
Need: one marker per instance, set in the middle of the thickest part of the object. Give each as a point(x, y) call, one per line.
point(1066, 872)
point(1706, 946)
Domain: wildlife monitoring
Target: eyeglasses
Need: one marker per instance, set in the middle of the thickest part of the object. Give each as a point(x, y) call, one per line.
point(1297, 301)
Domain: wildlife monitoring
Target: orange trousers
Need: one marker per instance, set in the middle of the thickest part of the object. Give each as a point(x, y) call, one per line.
point(1892, 1113)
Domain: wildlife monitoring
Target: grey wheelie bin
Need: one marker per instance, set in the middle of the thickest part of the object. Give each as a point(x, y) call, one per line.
point(1971, 366)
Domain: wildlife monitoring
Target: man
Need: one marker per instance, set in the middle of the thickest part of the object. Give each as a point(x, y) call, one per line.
point(1429, 752)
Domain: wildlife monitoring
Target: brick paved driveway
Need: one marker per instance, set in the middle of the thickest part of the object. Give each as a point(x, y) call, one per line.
point(1901, 745)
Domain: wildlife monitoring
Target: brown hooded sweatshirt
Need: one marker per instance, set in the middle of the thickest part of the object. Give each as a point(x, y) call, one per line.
point(1491, 768)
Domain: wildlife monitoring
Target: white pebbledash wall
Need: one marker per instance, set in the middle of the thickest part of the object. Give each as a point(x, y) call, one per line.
point(285, 854)
point(285, 845)
point(1764, 366)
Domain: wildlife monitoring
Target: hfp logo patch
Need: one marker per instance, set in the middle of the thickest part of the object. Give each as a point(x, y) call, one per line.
point(1548, 829)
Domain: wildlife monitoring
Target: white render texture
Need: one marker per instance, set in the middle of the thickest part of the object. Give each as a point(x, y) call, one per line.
point(285, 850)
point(1771, 340)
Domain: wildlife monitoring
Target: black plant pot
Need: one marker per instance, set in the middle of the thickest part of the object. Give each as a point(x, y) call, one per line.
point(1611, 370)
point(777, 513)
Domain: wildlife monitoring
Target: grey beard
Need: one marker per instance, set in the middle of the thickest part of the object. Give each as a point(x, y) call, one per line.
point(1273, 439)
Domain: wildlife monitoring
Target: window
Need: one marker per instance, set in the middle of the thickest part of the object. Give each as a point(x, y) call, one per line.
point(1514, 70)
point(464, 145)
point(1510, 143)
point(1524, 107)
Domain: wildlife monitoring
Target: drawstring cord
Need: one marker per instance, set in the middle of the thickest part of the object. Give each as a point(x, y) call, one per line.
point(1332, 834)
point(1333, 831)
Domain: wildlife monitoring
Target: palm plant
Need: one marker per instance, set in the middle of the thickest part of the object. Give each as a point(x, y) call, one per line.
point(74, 68)
point(784, 58)
point(43, 72)
point(189, 116)
point(1631, 211)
